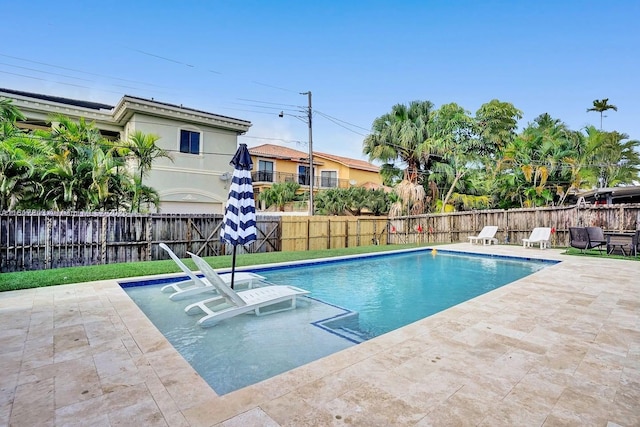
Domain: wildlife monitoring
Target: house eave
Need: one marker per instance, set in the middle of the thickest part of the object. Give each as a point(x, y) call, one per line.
point(128, 106)
point(45, 108)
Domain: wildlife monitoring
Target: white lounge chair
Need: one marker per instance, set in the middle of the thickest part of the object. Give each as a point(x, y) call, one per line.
point(486, 235)
point(196, 285)
point(230, 303)
point(539, 235)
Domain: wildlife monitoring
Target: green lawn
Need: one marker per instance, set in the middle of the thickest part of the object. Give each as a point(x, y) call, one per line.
point(60, 276)
point(597, 253)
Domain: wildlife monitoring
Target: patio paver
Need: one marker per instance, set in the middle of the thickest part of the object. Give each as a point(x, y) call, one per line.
point(559, 347)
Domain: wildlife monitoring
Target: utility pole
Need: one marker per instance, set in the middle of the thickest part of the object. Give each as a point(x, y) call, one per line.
point(311, 176)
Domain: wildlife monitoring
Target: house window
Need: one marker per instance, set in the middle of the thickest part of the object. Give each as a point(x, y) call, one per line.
point(265, 171)
point(189, 142)
point(329, 179)
point(303, 175)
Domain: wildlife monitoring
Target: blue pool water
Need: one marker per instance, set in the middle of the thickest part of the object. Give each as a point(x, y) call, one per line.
point(352, 301)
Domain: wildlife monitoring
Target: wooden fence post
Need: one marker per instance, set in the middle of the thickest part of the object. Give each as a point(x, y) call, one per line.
point(346, 233)
point(189, 236)
point(328, 234)
point(103, 240)
point(308, 233)
point(48, 241)
point(148, 235)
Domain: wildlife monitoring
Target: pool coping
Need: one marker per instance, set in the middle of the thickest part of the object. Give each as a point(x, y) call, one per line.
point(85, 352)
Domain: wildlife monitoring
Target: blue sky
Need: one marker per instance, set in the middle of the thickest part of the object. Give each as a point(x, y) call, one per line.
point(252, 59)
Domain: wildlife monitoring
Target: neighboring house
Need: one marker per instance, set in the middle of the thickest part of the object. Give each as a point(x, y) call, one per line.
point(608, 195)
point(276, 164)
point(200, 143)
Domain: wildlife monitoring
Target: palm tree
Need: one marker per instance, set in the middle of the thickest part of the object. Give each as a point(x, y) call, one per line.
point(16, 172)
point(378, 202)
point(9, 112)
point(602, 105)
point(279, 194)
point(144, 149)
point(331, 202)
point(534, 164)
point(402, 136)
point(397, 136)
point(608, 159)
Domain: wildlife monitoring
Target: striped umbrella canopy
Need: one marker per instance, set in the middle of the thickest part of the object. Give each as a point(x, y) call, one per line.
point(239, 222)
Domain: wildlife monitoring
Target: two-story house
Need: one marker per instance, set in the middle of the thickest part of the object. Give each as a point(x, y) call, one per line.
point(277, 164)
point(201, 144)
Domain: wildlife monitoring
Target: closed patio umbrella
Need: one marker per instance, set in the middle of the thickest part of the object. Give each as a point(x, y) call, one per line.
point(239, 222)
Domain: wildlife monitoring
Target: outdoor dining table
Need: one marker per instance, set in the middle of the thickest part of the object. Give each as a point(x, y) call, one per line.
point(618, 240)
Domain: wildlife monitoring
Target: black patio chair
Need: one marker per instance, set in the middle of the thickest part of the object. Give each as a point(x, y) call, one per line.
point(596, 238)
point(634, 246)
point(579, 238)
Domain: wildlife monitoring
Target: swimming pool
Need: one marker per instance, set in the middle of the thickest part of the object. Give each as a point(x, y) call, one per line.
point(352, 300)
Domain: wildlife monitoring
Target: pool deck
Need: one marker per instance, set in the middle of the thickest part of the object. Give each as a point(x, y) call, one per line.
point(560, 347)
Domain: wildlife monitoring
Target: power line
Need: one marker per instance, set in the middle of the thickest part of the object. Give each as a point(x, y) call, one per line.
point(275, 87)
point(265, 106)
point(57, 82)
point(341, 125)
point(161, 57)
point(281, 106)
point(273, 139)
point(271, 103)
point(342, 121)
point(40, 71)
point(79, 71)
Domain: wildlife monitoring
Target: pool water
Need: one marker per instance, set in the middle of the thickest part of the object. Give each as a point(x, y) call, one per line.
point(393, 291)
point(351, 301)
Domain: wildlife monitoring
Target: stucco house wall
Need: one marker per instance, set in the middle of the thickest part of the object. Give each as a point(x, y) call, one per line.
point(189, 183)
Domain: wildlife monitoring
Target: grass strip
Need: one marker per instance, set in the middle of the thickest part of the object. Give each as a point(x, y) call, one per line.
point(67, 275)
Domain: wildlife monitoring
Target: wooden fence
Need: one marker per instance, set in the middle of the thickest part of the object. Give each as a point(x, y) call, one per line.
point(514, 224)
point(300, 233)
point(42, 240)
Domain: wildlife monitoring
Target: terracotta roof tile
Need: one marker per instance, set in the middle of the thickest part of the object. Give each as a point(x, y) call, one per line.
point(279, 152)
point(352, 163)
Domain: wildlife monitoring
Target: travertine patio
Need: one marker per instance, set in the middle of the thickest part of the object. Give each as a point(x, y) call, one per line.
point(560, 347)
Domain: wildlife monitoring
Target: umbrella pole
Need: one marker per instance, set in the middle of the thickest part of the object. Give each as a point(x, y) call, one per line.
point(233, 264)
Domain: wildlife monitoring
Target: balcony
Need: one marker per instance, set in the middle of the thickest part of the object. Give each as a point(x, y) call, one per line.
point(264, 177)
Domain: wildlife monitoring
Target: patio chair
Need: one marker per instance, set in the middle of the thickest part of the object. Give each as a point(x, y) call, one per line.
point(540, 235)
point(634, 246)
point(579, 238)
point(272, 298)
point(196, 285)
point(486, 235)
point(596, 238)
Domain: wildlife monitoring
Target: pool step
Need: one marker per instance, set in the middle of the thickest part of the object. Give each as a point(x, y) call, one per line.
point(352, 334)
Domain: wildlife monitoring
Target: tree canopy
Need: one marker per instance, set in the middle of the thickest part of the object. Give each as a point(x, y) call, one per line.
point(452, 160)
point(71, 167)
